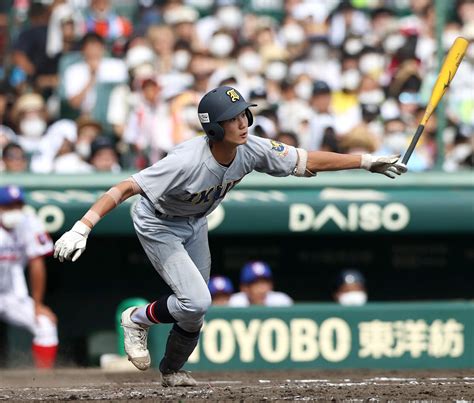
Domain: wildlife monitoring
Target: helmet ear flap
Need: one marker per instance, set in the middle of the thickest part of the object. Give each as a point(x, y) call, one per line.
point(215, 131)
point(249, 116)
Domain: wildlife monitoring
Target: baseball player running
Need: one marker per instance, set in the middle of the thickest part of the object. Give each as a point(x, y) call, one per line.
point(23, 241)
point(177, 193)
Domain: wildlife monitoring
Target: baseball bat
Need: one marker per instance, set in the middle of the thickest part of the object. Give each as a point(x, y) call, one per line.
point(445, 76)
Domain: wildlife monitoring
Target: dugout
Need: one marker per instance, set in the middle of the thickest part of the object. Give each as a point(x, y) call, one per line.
point(411, 237)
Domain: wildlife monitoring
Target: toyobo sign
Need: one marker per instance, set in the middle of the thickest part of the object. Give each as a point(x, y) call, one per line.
point(428, 335)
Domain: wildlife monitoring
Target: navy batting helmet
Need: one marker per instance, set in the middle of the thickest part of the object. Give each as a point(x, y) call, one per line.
point(221, 104)
point(11, 194)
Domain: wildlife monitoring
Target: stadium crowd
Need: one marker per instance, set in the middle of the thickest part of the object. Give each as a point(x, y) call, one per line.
point(110, 85)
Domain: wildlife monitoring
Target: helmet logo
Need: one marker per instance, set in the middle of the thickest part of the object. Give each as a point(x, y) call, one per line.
point(234, 97)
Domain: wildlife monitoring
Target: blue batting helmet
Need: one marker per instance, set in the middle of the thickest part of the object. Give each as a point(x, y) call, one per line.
point(218, 105)
point(220, 284)
point(255, 270)
point(11, 194)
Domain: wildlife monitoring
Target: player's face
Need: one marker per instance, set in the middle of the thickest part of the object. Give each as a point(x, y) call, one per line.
point(220, 299)
point(11, 215)
point(258, 290)
point(236, 129)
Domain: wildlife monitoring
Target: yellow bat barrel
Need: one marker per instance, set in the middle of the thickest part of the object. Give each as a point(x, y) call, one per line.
point(446, 75)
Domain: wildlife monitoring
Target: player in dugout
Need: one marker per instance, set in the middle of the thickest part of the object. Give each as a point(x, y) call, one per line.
point(24, 242)
point(177, 193)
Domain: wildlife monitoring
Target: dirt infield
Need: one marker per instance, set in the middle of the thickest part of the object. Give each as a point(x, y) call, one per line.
point(95, 384)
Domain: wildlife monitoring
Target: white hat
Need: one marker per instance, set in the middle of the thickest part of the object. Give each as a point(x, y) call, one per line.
point(293, 34)
point(138, 55)
point(180, 14)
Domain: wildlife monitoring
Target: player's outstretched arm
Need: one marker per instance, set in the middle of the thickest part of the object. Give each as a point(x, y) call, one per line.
point(72, 243)
point(318, 161)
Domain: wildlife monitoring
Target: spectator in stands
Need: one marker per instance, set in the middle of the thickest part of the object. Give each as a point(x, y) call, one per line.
point(323, 116)
point(148, 143)
point(82, 78)
point(30, 59)
point(292, 111)
point(350, 288)
point(396, 139)
point(182, 19)
point(162, 42)
point(221, 289)
point(361, 51)
point(358, 140)
point(346, 20)
point(461, 155)
point(256, 287)
point(140, 61)
point(14, 158)
point(63, 30)
point(88, 130)
point(57, 150)
point(100, 19)
point(31, 120)
point(250, 63)
point(289, 138)
point(201, 66)
point(104, 156)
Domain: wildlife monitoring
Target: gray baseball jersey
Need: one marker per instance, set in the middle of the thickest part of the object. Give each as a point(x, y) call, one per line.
point(190, 182)
point(179, 192)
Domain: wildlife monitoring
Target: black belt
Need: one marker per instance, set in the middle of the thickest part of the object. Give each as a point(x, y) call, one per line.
point(159, 214)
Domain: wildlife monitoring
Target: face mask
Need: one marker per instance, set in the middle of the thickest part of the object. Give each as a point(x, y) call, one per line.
point(229, 17)
point(251, 62)
point(393, 43)
point(353, 46)
point(371, 97)
point(350, 79)
point(221, 45)
point(293, 34)
point(304, 90)
point(353, 298)
point(181, 60)
point(319, 53)
point(84, 150)
point(10, 219)
point(276, 71)
point(396, 142)
point(32, 127)
point(371, 62)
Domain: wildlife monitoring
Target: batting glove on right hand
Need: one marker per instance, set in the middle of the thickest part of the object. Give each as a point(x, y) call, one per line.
point(72, 243)
point(389, 166)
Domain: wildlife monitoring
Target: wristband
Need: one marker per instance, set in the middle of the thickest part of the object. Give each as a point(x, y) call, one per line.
point(366, 161)
point(81, 228)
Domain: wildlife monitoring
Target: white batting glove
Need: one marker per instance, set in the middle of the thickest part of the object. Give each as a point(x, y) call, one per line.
point(389, 166)
point(72, 243)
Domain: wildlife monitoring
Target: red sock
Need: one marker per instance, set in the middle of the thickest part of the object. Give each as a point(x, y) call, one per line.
point(44, 356)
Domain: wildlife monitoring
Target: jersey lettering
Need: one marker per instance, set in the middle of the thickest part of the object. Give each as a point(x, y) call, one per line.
point(204, 195)
point(216, 192)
